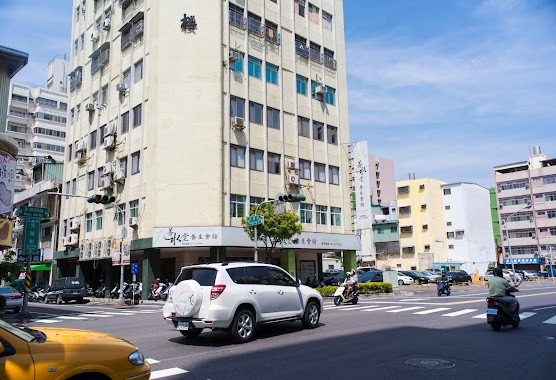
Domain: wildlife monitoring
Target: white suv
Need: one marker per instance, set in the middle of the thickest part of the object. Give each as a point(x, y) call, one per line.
point(236, 296)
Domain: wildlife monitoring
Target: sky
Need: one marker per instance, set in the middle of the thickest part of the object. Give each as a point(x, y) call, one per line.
point(447, 89)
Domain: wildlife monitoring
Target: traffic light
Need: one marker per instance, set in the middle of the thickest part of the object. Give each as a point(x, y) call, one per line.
point(292, 198)
point(102, 199)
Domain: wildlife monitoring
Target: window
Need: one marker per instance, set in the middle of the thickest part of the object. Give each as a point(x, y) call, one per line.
point(82, 41)
point(459, 234)
point(273, 163)
point(78, 114)
point(237, 65)
point(318, 131)
point(446, 207)
point(403, 190)
point(254, 201)
point(121, 215)
point(334, 175)
point(330, 96)
point(254, 67)
point(299, 7)
point(271, 74)
point(237, 156)
point(70, 146)
point(127, 78)
point(237, 206)
point(99, 177)
point(425, 227)
point(255, 113)
point(237, 107)
point(279, 277)
point(322, 215)
point(304, 169)
point(273, 118)
point(335, 216)
point(301, 85)
point(236, 16)
point(104, 95)
point(68, 188)
point(320, 172)
point(450, 246)
point(135, 162)
point(98, 220)
point(75, 46)
point(134, 209)
point(72, 115)
point(137, 115)
point(393, 230)
point(313, 14)
point(450, 235)
point(306, 213)
point(423, 207)
point(448, 223)
point(74, 186)
point(331, 135)
point(379, 231)
point(138, 72)
point(93, 139)
point(327, 21)
point(90, 180)
point(88, 222)
point(447, 191)
point(256, 160)
point(303, 128)
point(102, 130)
point(123, 166)
point(125, 122)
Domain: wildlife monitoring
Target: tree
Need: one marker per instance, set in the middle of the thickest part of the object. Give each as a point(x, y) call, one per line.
point(10, 268)
point(276, 228)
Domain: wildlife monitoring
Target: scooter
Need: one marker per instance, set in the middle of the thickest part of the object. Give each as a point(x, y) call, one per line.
point(499, 314)
point(167, 291)
point(340, 296)
point(99, 293)
point(115, 292)
point(443, 287)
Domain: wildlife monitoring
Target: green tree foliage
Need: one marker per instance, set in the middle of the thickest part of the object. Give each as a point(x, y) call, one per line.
point(276, 228)
point(9, 267)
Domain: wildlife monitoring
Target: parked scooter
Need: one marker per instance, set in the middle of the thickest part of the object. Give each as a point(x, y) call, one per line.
point(100, 292)
point(340, 295)
point(90, 291)
point(443, 287)
point(115, 292)
point(499, 314)
point(166, 291)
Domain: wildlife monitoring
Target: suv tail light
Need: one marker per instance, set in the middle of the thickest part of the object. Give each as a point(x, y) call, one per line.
point(490, 303)
point(216, 291)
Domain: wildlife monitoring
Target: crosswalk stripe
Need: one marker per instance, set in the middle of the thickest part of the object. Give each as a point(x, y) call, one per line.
point(551, 321)
point(113, 313)
point(480, 316)
point(49, 320)
point(340, 307)
point(382, 308)
point(460, 312)
point(405, 309)
point(526, 315)
point(432, 310)
point(152, 361)
point(71, 318)
point(360, 307)
point(167, 372)
point(94, 315)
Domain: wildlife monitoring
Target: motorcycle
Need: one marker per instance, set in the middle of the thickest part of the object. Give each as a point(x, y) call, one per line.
point(90, 291)
point(499, 314)
point(443, 287)
point(156, 291)
point(340, 295)
point(115, 292)
point(100, 292)
point(167, 291)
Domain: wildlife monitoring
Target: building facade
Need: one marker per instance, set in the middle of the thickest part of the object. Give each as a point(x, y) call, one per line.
point(469, 236)
point(529, 231)
point(189, 113)
point(386, 236)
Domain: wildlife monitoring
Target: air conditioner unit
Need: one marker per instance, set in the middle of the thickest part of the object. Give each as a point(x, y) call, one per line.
point(107, 248)
point(73, 240)
point(74, 224)
point(107, 182)
point(238, 123)
point(133, 221)
point(110, 129)
point(292, 165)
point(119, 176)
point(109, 142)
point(106, 24)
point(235, 55)
point(90, 107)
point(97, 249)
point(80, 146)
point(107, 169)
point(64, 241)
point(121, 87)
point(321, 90)
point(94, 35)
point(293, 179)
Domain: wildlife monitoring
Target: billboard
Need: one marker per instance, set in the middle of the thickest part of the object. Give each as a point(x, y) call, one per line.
point(7, 182)
point(362, 185)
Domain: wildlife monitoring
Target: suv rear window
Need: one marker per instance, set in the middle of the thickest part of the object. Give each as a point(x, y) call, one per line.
point(74, 282)
point(204, 276)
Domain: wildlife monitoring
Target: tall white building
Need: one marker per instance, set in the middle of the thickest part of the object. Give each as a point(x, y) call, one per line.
point(190, 112)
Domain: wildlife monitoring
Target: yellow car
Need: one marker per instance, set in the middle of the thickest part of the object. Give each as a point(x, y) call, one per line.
point(65, 354)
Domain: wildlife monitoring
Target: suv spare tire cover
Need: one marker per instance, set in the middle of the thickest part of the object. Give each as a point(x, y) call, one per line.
point(187, 297)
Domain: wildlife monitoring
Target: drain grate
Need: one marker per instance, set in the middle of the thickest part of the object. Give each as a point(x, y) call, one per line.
point(430, 363)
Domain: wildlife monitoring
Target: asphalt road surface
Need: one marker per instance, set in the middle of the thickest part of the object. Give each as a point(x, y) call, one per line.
point(415, 336)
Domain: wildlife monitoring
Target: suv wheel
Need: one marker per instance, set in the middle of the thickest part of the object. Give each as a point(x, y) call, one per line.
point(59, 300)
point(311, 316)
point(243, 326)
point(193, 333)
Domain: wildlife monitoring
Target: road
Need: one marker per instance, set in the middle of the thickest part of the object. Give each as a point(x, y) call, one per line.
point(386, 337)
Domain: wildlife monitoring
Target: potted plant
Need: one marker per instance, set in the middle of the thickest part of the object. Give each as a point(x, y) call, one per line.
point(2, 305)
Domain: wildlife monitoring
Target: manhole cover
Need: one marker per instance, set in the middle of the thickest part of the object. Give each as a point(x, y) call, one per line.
point(430, 363)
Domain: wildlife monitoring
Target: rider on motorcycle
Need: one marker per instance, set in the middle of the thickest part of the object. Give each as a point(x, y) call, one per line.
point(351, 282)
point(497, 287)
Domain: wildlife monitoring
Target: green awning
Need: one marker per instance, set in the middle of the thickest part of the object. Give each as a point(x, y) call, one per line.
point(37, 267)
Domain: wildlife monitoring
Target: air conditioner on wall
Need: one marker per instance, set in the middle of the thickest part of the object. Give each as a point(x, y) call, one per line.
point(235, 55)
point(73, 239)
point(107, 169)
point(80, 147)
point(119, 176)
point(64, 241)
point(121, 87)
point(133, 221)
point(106, 182)
point(109, 142)
point(238, 123)
point(90, 107)
point(107, 248)
point(74, 224)
point(293, 179)
point(321, 90)
point(292, 165)
point(106, 24)
point(94, 35)
point(110, 129)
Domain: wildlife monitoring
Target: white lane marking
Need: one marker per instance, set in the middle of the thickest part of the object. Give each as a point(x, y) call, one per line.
point(340, 307)
point(405, 309)
point(414, 299)
point(94, 315)
point(525, 315)
point(432, 310)
point(71, 318)
point(167, 372)
point(113, 313)
point(544, 308)
point(382, 308)
point(480, 316)
point(551, 321)
point(460, 312)
point(152, 361)
point(360, 307)
point(49, 320)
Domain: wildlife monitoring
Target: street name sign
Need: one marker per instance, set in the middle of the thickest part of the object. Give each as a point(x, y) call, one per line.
point(255, 220)
point(32, 212)
point(31, 239)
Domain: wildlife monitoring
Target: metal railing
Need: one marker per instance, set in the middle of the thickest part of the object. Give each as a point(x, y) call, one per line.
point(314, 55)
point(126, 41)
point(254, 27)
point(329, 62)
point(301, 49)
point(237, 19)
point(272, 35)
point(137, 29)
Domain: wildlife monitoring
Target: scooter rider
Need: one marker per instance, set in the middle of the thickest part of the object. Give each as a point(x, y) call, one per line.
point(497, 287)
point(351, 282)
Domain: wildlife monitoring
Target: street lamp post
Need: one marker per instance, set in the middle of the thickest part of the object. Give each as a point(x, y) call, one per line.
point(508, 237)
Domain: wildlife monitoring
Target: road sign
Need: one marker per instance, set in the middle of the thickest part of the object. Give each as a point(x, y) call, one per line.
point(278, 210)
point(255, 220)
point(32, 233)
point(134, 268)
point(32, 212)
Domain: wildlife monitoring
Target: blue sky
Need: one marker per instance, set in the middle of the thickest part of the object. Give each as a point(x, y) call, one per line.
point(446, 88)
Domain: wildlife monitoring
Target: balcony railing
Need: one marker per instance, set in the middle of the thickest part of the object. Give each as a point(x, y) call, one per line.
point(237, 19)
point(272, 35)
point(99, 61)
point(76, 78)
point(314, 55)
point(137, 29)
point(126, 40)
point(301, 49)
point(254, 27)
point(329, 62)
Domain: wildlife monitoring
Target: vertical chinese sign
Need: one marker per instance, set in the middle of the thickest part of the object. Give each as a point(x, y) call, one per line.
point(362, 185)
